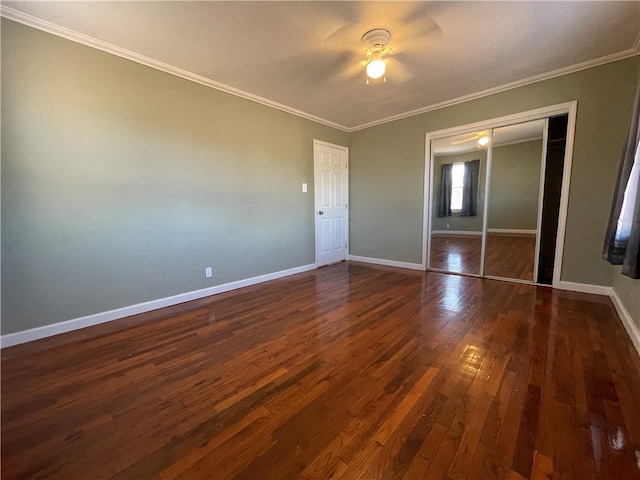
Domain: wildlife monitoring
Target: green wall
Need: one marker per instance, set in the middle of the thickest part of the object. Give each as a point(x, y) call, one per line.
point(515, 186)
point(120, 183)
point(387, 166)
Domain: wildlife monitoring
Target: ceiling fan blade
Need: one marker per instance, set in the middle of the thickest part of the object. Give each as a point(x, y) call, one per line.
point(419, 31)
point(321, 67)
point(472, 138)
point(355, 70)
point(334, 64)
point(343, 36)
point(419, 20)
point(397, 72)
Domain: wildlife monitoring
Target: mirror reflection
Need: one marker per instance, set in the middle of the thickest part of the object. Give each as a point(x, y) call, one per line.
point(513, 203)
point(458, 175)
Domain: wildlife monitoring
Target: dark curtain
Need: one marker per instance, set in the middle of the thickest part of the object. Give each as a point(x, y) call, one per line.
point(622, 244)
point(470, 189)
point(444, 209)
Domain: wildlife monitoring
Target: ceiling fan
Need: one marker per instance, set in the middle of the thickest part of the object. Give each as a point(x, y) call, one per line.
point(414, 33)
point(377, 43)
point(378, 56)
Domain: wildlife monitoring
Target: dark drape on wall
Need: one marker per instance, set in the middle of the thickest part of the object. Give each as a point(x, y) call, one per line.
point(470, 189)
point(622, 243)
point(444, 209)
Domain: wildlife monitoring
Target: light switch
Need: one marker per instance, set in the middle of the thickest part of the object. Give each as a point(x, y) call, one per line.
point(304, 188)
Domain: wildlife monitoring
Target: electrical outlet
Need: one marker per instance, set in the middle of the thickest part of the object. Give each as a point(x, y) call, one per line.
point(208, 272)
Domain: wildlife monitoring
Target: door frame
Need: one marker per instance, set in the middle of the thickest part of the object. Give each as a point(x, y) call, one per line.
point(569, 109)
point(316, 208)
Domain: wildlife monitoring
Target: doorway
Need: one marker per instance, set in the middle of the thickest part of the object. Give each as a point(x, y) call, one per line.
point(331, 194)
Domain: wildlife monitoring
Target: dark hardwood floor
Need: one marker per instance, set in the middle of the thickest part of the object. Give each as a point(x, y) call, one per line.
point(349, 371)
point(507, 255)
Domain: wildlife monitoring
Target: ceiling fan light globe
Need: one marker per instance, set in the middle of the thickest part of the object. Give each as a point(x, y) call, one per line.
point(483, 141)
point(376, 68)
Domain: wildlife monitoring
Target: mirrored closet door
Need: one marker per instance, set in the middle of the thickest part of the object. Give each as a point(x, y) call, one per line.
point(495, 199)
point(457, 214)
point(513, 207)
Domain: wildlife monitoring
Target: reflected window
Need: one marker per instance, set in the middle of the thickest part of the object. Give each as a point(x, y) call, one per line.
point(457, 182)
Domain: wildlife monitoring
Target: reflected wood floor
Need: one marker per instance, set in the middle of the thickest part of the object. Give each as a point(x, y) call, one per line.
point(456, 253)
point(508, 255)
point(349, 371)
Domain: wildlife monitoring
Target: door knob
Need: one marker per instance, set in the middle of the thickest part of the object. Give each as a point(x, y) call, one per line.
point(320, 212)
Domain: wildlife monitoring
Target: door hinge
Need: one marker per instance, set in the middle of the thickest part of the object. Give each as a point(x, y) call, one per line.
point(345, 206)
point(345, 245)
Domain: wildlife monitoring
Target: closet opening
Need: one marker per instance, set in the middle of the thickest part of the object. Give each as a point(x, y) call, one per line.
point(496, 196)
point(556, 145)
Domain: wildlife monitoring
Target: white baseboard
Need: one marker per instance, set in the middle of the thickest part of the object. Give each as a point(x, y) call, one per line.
point(517, 231)
point(388, 263)
point(82, 322)
point(629, 325)
point(455, 232)
point(584, 288)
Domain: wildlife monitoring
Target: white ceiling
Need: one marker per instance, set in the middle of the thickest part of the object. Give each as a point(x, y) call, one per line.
point(307, 57)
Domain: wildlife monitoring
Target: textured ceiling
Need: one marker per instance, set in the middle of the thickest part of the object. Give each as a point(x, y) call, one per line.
point(308, 57)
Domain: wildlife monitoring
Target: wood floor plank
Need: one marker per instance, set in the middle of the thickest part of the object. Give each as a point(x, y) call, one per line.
point(384, 432)
point(443, 458)
point(351, 371)
point(470, 439)
point(425, 455)
point(542, 467)
point(196, 454)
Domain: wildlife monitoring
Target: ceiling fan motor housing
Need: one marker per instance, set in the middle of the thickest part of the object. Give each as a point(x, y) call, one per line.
point(378, 38)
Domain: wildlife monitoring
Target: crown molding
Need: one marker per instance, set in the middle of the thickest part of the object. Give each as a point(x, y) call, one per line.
point(77, 37)
point(509, 86)
point(45, 26)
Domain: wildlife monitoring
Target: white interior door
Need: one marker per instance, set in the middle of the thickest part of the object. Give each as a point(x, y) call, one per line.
point(331, 189)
